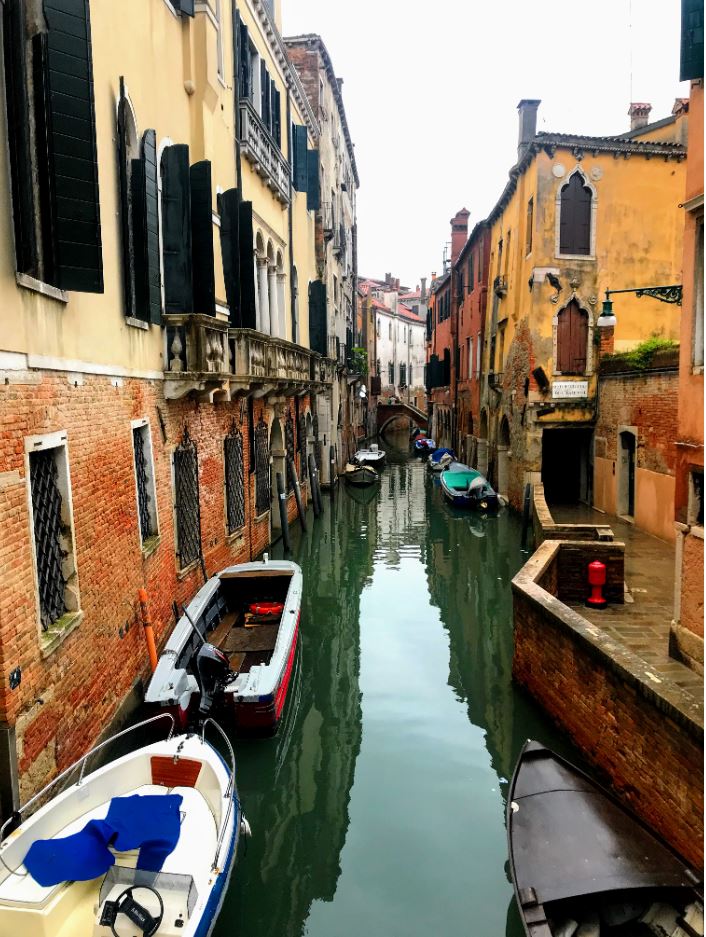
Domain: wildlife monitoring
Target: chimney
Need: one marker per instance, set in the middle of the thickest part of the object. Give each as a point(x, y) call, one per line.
point(459, 233)
point(639, 115)
point(388, 278)
point(423, 290)
point(527, 108)
point(681, 106)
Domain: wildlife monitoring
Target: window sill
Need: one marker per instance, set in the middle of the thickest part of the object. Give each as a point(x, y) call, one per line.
point(137, 323)
point(236, 536)
point(37, 286)
point(150, 545)
point(697, 531)
point(591, 257)
point(261, 517)
point(187, 570)
point(55, 636)
point(697, 369)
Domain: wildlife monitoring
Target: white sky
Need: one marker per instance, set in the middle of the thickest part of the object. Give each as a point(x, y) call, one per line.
point(431, 92)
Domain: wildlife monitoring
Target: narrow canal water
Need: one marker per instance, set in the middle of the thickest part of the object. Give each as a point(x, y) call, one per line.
point(379, 807)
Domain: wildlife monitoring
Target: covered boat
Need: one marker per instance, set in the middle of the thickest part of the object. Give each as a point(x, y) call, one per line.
point(584, 866)
point(360, 476)
point(233, 649)
point(465, 487)
point(423, 445)
point(441, 459)
point(143, 845)
point(373, 456)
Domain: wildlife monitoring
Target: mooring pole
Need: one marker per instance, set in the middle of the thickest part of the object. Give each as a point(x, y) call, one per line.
point(332, 469)
point(526, 515)
point(294, 478)
point(282, 498)
point(314, 482)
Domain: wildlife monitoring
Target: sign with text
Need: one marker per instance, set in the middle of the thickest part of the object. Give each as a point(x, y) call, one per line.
point(566, 389)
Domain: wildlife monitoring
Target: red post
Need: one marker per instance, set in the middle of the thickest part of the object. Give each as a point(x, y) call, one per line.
point(596, 580)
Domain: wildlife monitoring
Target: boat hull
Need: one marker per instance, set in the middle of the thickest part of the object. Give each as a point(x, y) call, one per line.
point(490, 504)
point(360, 478)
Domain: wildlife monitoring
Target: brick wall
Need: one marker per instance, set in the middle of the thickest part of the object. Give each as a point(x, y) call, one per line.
point(66, 699)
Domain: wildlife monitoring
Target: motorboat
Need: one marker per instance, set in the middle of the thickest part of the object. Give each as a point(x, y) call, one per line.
point(372, 456)
point(360, 476)
point(423, 445)
point(144, 844)
point(440, 459)
point(582, 864)
point(232, 651)
point(465, 487)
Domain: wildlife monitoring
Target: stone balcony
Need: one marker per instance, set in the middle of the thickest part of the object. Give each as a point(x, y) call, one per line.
point(215, 362)
point(262, 152)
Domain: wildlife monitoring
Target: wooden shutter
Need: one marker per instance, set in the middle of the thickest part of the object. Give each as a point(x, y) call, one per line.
point(313, 199)
point(125, 198)
point(572, 339)
point(299, 136)
point(148, 292)
point(229, 208)
point(692, 40)
point(202, 272)
point(575, 220)
point(318, 338)
point(176, 229)
point(244, 63)
point(265, 105)
point(185, 6)
point(246, 245)
point(70, 128)
point(276, 117)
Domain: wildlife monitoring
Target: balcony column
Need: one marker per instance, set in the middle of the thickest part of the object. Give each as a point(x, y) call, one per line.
point(281, 304)
point(263, 324)
point(274, 305)
point(257, 292)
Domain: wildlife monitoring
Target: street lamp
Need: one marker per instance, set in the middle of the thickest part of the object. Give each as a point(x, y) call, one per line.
point(665, 294)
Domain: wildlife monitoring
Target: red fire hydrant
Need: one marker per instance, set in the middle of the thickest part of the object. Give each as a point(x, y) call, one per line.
point(596, 580)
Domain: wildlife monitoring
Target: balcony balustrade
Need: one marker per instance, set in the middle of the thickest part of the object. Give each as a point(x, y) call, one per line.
point(258, 147)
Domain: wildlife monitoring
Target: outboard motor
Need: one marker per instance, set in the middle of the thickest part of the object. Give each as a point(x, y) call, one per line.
point(213, 669)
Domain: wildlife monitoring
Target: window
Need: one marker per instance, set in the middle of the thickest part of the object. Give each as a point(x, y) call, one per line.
point(575, 217)
point(478, 354)
point(390, 331)
point(469, 356)
point(698, 338)
point(507, 250)
point(378, 328)
point(52, 143)
point(52, 529)
point(530, 226)
point(186, 500)
point(403, 375)
point(405, 335)
point(571, 339)
point(263, 493)
point(696, 497)
point(391, 374)
point(144, 480)
point(234, 479)
point(220, 66)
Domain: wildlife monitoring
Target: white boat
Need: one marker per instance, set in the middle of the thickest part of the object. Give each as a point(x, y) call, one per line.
point(233, 649)
point(373, 456)
point(116, 886)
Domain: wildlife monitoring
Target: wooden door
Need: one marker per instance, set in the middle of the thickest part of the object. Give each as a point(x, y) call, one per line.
point(572, 339)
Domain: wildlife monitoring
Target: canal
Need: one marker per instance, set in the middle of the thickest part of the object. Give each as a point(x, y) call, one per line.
point(379, 807)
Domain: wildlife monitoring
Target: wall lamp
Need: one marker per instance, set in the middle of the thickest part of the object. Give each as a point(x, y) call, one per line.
point(665, 294)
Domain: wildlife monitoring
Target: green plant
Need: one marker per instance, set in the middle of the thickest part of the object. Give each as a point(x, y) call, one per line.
point(641, 356)
point(359, 361)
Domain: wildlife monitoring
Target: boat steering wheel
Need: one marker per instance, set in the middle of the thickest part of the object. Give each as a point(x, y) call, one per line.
point(138, 913)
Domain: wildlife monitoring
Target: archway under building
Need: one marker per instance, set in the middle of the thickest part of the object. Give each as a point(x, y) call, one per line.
point(482, 465)
point(277, 466)
point(627, 446)
point(503, 467)
point(566, 465)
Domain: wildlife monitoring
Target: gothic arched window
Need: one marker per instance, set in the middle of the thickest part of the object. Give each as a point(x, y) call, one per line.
point(575, 218)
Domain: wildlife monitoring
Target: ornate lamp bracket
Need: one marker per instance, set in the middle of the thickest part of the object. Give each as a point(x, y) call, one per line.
point(665, 294)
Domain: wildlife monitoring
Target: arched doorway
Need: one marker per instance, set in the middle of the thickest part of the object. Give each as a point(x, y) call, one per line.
point(626, 472)
point(483, 443)
point(277, 466)
point(503, 457)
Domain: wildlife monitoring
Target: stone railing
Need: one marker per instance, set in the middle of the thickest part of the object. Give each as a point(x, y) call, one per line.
point(545, 527)
point(256, 358)
point(196, 354)
point(259, 148)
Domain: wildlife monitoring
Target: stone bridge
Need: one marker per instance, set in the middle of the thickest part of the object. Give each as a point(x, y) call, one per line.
point(387, 413)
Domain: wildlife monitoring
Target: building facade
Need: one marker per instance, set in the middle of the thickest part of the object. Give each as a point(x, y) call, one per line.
point(156, 271)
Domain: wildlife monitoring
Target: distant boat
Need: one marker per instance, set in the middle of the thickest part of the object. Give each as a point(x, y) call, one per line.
point(465, 487)
point(373, 456)
point(440, 459)
point(423, 445)
point(149, 837)
point(233, 650)
point(581, 864)
point(361, 476)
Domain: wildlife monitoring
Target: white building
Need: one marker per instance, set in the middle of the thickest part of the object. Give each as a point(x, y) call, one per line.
point(400, 349)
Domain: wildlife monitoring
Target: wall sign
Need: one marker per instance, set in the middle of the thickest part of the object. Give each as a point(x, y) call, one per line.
point(565, 389)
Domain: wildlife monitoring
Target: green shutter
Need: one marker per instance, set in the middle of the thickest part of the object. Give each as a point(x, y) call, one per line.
point(244, 89)
point(125, 198)
point(229, 208)
point(692, 40)
point(318, 339)
point(176, 229)
point(147, 267)
point(299, 136)
point(248, 317)
point(312, 187)
point(202, 268)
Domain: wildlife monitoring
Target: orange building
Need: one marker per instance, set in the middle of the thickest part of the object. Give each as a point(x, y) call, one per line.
point(687, 636)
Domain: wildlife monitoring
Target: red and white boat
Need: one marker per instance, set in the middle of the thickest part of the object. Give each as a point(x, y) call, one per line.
point(233, 650)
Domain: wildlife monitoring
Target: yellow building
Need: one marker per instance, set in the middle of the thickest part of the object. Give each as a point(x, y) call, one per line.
point(579, 215)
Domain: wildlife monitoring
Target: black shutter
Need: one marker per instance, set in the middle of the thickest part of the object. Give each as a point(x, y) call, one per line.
point(72, 167)
point(692, 40)
point(317, 317)
point(152, 284)
point(202, 271)
point(312, 187)
point(248, 319)
point(185, 6)
point(299, 157)
point(244, 62)
point(125, 197)
point(276, 117)
point(230, 251)
point(176, 229)
point(265, 94)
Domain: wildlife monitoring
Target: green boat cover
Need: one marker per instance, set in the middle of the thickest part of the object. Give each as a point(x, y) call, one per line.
point(459, 481)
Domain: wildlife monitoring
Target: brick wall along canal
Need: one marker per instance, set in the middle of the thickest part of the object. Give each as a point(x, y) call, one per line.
point(379, 808)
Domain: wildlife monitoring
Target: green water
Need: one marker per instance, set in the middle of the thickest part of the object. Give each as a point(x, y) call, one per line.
point(378, 810)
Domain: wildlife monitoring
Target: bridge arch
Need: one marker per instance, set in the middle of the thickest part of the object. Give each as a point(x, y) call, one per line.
point(388, 413)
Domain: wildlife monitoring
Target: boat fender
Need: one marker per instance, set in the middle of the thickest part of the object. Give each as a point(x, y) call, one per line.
point(266, 608)
point(266, 558)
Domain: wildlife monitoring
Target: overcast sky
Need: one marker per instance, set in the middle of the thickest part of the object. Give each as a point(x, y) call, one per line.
point(431, 92)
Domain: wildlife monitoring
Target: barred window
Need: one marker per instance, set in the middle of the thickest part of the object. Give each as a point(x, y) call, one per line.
point(289, 446)
point(262, 469)
point(144, 478)
point(55, 561)
point(234, 479)
point(186, 494)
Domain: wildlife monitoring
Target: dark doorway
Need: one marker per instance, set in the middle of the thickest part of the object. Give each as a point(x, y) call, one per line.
point(626, 480)
point(566, 465)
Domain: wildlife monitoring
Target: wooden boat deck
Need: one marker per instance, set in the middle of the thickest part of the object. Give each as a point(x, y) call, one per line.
point(244, 647)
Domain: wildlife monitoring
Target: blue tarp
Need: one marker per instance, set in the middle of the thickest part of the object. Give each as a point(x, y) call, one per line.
point(149, 822)
point(437, 456)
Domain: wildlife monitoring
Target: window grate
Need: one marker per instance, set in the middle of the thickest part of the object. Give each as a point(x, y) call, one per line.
point(301, 439)
point(262, 469)
point(317, 445)
point(143, 497)
point(235, 479)
point(289, 445)
point(186, 490)
point(46, 508)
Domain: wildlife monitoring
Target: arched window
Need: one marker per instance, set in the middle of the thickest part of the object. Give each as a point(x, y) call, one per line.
point(571, 339)
point(389, 335)
point(575, 217)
